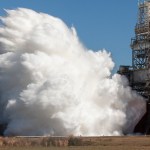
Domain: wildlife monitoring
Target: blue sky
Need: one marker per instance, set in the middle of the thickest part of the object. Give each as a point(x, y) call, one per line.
point(100, 24)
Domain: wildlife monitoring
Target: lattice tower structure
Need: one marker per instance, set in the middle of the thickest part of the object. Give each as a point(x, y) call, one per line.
point(140, 45)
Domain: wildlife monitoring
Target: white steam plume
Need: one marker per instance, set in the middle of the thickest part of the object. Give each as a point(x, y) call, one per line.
point(51, 85)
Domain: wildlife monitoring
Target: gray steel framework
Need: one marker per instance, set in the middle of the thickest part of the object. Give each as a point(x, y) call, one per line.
point(141, 47)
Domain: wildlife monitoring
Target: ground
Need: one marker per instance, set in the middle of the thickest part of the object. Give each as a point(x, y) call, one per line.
point(81, 143)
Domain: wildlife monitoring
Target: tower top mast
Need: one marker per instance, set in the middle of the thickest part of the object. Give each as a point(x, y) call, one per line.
point(143, 22)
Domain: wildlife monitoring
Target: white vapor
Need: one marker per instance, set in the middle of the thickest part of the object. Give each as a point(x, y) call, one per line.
point(50, 84)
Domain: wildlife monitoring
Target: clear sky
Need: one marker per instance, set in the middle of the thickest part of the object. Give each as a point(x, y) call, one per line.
point(100, 24)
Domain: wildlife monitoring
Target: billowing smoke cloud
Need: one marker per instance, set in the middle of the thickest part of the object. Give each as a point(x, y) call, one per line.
point(51, 85)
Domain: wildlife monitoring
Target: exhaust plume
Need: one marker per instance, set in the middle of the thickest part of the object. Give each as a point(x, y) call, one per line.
point(50, 84)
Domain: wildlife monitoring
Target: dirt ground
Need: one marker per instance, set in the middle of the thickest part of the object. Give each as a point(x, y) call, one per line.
point(79, 143)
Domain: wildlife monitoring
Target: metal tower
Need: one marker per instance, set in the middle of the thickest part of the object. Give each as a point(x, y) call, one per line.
point(140, 45)
point(140, 74)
